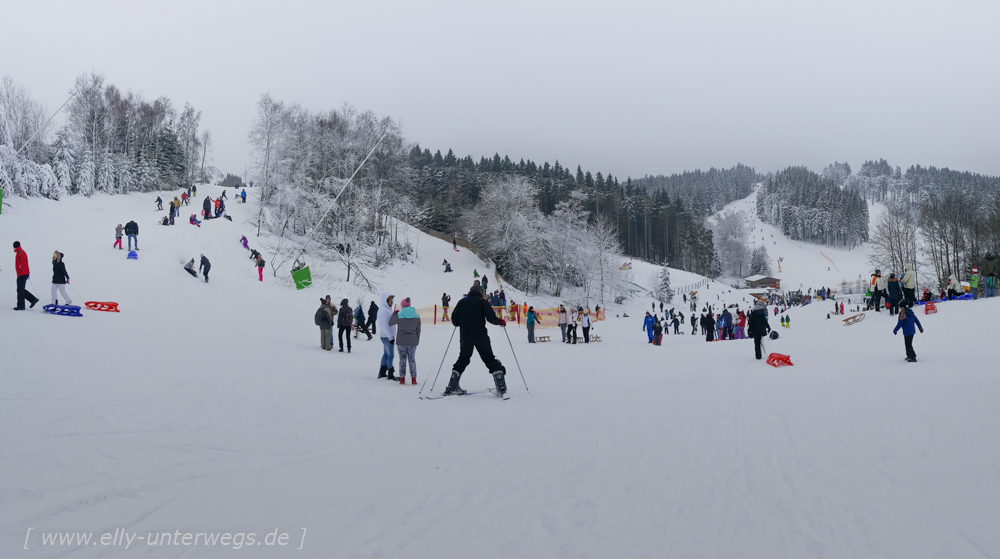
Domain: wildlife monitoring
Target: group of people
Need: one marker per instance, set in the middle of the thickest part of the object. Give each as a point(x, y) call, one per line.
point(131, 230)
point(399, 331)
point(892, 291)
point(258, 260)
point(569, 321)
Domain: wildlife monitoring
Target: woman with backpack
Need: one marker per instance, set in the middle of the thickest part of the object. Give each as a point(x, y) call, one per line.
point(324, 319)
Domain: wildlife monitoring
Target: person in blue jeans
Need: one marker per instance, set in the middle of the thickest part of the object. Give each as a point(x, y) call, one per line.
point(907, 319)
point(387, 335)
point(532, 318)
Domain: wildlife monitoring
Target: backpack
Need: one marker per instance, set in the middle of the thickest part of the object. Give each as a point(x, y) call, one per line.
point(322, 318)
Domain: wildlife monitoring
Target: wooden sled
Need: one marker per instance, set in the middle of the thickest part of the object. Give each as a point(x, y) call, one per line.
point(854, 319)
point(541, 338)
point(595, 338)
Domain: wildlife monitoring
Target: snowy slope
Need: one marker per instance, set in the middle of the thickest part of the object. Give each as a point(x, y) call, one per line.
point(210, 408)
point(805, 264)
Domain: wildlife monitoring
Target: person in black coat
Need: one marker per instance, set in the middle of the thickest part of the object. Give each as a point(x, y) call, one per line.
point(207, 206)
point(132, 232)
point(757, 326)
point(470, 316)
point(710, 327)
point(372, 317)
point(206, 266)
point(59, 278)
point(344, 322)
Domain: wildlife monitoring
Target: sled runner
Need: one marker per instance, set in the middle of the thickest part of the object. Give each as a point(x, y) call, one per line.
point(97, 306)
point(854, 319)
point(595, 338)
point(779, 360)
point(542, 338)
point(62, 310)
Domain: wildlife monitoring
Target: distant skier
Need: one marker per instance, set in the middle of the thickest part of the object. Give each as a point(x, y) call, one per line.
point(387, 337)
point(407, 324)
point(159, 203)
point(132, 232)
point(204, 267)
point(118, 237)
point(758, 326)
point(907, 318)
point(59, 278)
point(470, 317)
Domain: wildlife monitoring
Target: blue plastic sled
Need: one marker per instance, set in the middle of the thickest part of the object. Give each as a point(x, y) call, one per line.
point(62, 310)
point(132, 255)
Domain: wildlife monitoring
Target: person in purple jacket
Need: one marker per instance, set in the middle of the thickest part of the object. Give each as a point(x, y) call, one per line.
point(907, 318)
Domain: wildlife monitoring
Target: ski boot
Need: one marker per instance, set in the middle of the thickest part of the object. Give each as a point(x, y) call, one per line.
point(381, 371)
point(498, 379)
point(453, 387)
point(392, 373)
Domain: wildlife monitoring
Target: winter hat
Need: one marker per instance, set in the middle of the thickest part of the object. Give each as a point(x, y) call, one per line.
point(758, 305)
point(17, 244)
point(343, 302)
point(405, 303)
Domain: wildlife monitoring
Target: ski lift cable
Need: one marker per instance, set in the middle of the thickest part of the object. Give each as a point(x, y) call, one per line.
point(342, 189)
point(49, 121)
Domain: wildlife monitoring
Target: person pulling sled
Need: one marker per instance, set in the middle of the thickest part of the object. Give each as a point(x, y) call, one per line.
point(470, 316)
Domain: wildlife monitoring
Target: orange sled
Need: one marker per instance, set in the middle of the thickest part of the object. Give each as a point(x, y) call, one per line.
point(98, 306)
point(779, 360)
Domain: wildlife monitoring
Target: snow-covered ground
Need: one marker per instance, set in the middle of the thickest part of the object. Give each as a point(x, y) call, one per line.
point(805, 265)
point(208, 408)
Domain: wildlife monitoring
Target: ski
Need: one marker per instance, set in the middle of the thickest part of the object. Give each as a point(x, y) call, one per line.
point(494, 392)
point(491, 391)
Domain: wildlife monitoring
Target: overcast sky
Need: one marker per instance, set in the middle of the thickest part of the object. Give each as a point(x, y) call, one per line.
point(630, 88)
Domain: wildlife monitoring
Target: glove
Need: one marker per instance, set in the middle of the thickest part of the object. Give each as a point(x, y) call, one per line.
point(921, 330)
point(392, 341)
point(896, 333)
point(503, 323)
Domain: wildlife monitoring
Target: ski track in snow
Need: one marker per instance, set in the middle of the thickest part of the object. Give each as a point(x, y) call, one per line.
point(209, 407)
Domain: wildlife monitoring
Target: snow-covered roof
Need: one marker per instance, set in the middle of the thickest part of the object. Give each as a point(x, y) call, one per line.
point(757, 277)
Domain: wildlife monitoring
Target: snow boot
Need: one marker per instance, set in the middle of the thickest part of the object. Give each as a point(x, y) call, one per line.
point(381, 371)
point(414, 379)
point(402, 379)
point(498, 379)
point(453, 387)
point(392, 373)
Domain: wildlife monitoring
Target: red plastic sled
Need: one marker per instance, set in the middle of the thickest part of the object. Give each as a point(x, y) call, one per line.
point(98, 306)
point(779, 360)
point(930, 308)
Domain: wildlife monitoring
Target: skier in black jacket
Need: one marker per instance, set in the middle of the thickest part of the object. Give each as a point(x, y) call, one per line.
point(757, 326)
point(470, 316)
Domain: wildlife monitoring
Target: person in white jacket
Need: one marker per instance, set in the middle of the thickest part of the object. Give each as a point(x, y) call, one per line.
point(387, 335)
point(954, 288)
point(571, 328)
point(586, 323)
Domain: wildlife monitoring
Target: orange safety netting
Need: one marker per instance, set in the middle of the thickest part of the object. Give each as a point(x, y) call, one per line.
point(513, 314)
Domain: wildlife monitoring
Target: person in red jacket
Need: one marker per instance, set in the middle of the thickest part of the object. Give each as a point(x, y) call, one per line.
point(21, 267)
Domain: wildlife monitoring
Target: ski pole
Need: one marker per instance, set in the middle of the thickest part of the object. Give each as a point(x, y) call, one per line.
point(515, 360)
point(439, 366)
